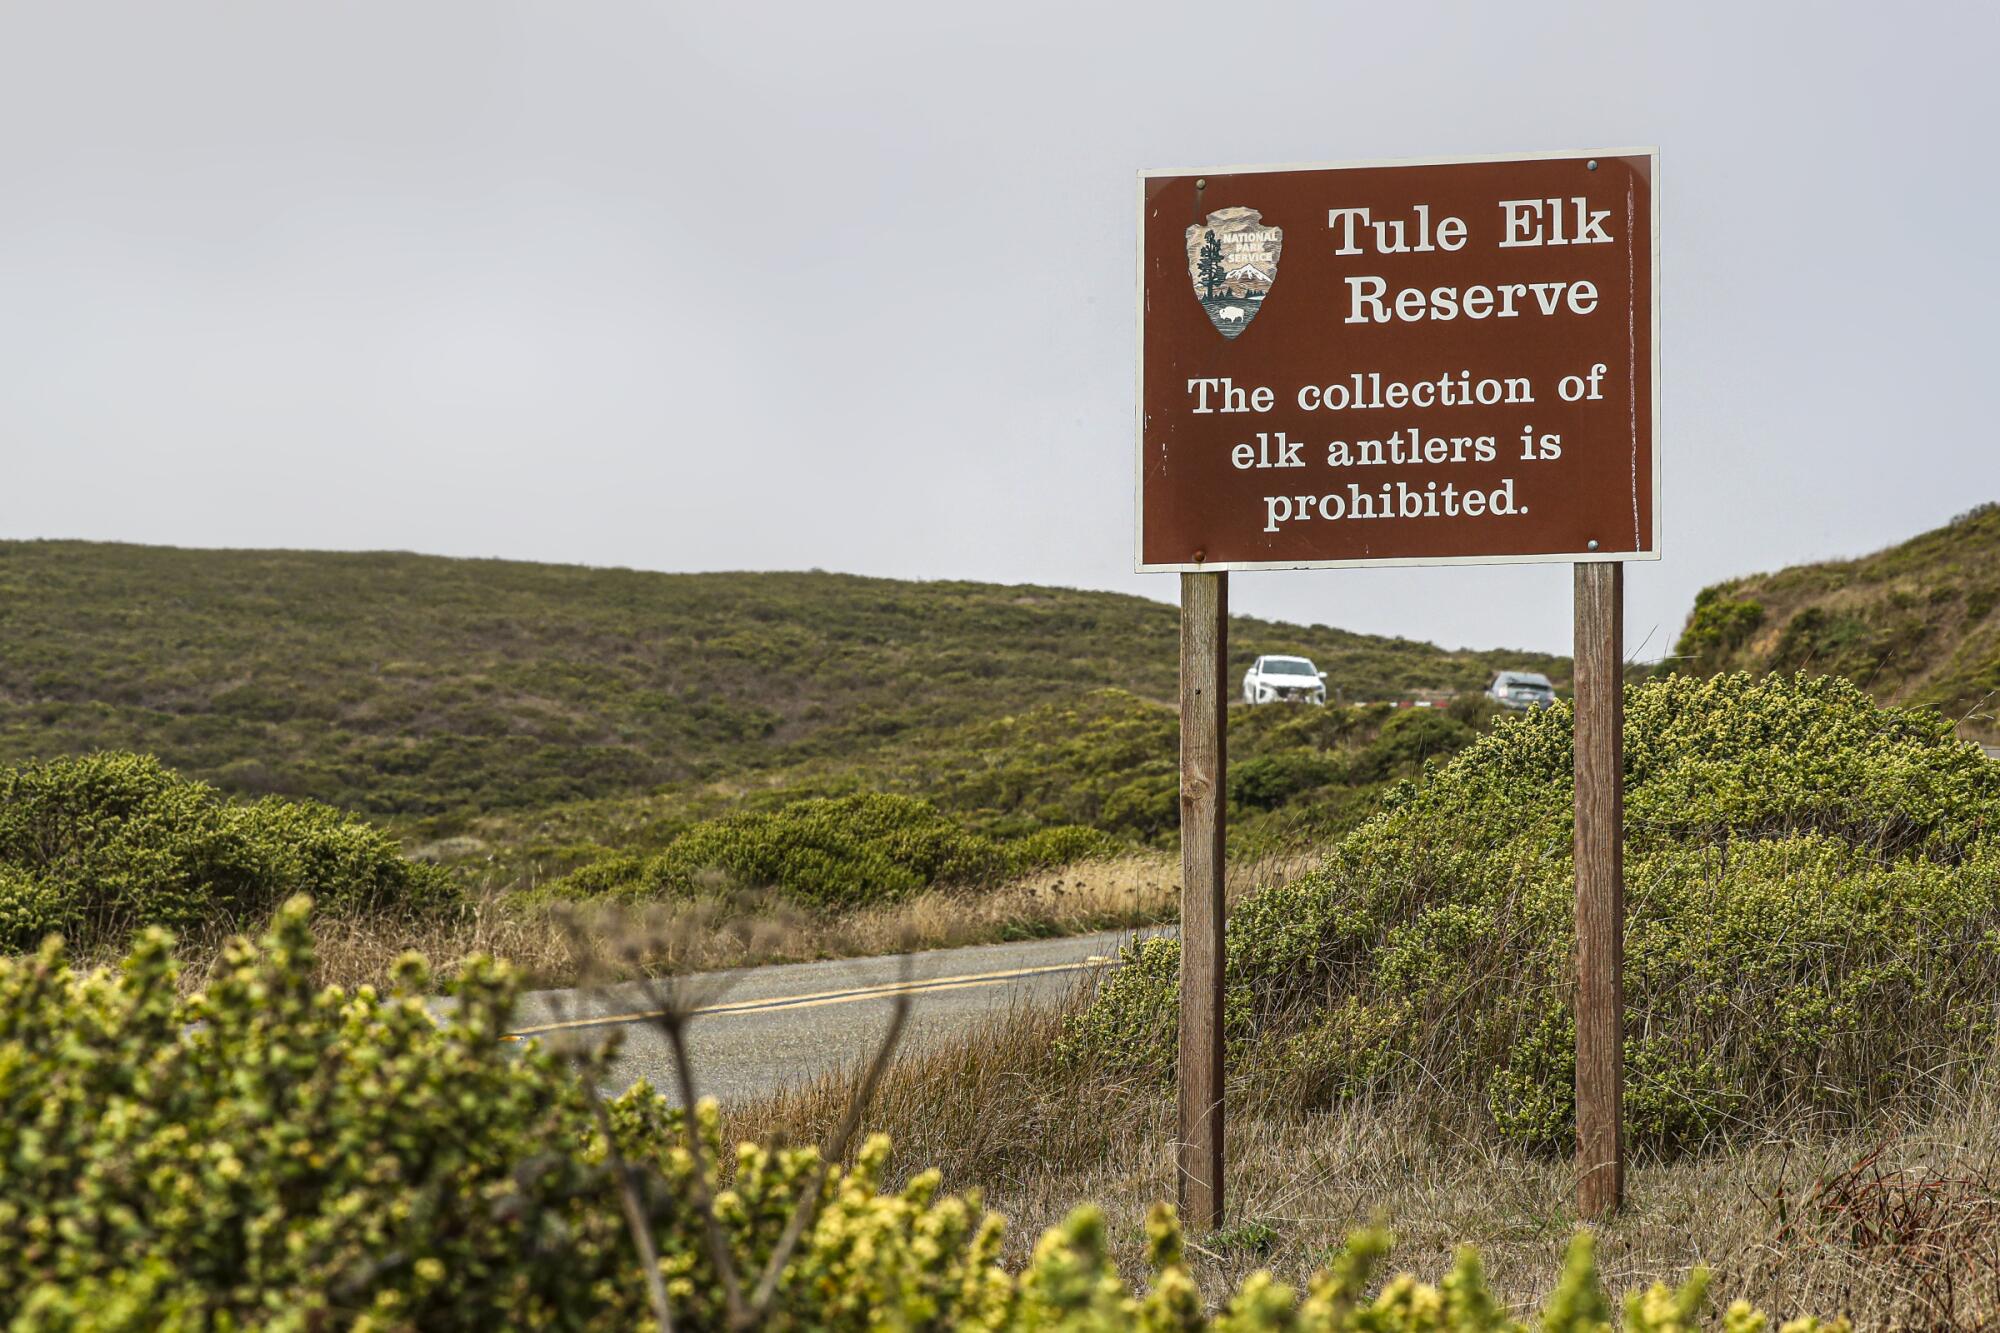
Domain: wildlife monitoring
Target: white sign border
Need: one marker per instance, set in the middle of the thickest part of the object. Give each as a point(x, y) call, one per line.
point(1139, 565)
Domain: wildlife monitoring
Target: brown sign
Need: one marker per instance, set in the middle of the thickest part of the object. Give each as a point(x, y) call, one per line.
point(1399, 363)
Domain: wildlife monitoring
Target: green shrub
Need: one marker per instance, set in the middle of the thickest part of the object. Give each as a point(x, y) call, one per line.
point(1066, 844)
point(1813, 929)
point(265, 1156)
point(100, 845)
point(1107, 760)
point(1717, 626)
point(1267, 781)
point(834, 852)
point(30, 908)
point(1376, 745)
point(1410, 739)
point(848, 851)
point(1146, 808)
point(612, 875)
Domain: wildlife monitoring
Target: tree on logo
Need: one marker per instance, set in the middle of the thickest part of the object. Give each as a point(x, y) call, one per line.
point(1211, 264)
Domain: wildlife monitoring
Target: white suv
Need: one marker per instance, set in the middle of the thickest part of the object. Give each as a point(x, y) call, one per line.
point(1289, 679)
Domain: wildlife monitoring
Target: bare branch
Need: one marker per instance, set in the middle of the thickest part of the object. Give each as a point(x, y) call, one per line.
point(588, 1063)
point(673, 1022)
point(835, 1152)
point(674, 1004)
point(635, 1212)
point(672, 1011)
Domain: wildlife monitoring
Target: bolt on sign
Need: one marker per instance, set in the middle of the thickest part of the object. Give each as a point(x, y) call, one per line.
point(1399, 363)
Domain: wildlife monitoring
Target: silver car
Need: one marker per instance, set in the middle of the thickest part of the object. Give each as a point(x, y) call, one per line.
point(1521, 690)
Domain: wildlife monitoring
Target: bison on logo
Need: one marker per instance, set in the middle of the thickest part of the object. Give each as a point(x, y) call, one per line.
point(1233, 262)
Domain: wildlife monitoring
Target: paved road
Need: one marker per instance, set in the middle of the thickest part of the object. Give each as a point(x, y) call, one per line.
point(1992, 751)
point(759, 1029)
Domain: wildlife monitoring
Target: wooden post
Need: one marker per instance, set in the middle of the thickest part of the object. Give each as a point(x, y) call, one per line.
point(1600, 887)
point(1204, 792)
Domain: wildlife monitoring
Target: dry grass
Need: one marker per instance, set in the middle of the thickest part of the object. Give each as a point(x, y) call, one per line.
point(363, 949)
point(709, 934)
point(1897, 1228)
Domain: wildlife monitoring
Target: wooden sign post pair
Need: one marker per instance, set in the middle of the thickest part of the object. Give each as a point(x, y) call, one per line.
point(1600, 889)
point(1424, 363)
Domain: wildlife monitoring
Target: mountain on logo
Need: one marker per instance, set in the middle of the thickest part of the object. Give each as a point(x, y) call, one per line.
point(1232, 261)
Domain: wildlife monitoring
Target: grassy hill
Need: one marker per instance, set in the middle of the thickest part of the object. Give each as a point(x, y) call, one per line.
point(1914, 624)
point(438, 694)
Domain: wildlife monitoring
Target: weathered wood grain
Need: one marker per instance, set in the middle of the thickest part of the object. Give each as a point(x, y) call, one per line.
point(1600, 888)
point(1204, 766)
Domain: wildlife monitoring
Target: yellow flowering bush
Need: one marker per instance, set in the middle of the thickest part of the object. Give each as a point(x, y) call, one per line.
point(1813, 924)
point(271, 1156)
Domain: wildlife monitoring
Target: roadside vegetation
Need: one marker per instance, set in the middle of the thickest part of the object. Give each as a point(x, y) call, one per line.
point(97, 847)
point(1062, 781)
point(1812, 936)
point(1058, 821)
point(835, 852)
point(1895, 1224)
point(1814, 904)
point(269, 1155)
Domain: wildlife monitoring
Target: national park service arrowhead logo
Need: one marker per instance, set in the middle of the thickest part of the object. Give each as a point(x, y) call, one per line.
point(1233, 261)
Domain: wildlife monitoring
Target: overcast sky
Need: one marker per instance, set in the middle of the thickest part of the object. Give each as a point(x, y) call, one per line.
point(689, 286)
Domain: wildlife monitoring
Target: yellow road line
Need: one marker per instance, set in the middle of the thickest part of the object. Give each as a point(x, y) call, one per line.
point(817, 998)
